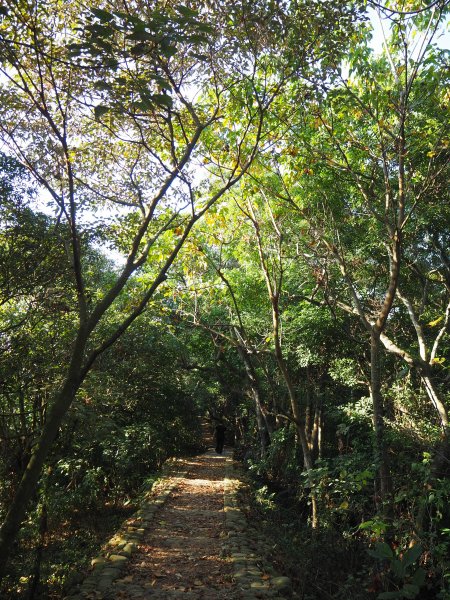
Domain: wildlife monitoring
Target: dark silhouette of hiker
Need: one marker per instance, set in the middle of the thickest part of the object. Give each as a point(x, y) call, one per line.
point(220, 437)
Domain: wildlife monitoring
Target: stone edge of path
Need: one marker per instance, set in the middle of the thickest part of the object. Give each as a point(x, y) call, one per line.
point(254, 576)
point(115, 554)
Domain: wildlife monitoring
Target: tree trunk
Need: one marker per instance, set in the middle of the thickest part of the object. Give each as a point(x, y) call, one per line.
point(433, 395)
point(261, 420)
point(316, 431)
point(380, 451)
point(296, 412)
point(36, 574)
point(30, 478)
point(263, 424)
point(424, 370)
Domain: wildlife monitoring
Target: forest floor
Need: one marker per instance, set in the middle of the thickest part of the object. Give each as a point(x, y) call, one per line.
point(189, 540)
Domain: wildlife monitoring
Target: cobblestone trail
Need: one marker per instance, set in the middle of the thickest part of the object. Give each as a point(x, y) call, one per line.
point(188, 540)
point(182, 554)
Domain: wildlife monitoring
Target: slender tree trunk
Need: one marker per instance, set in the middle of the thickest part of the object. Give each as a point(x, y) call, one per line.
point(308, 415)
point(424, 370)
point(425, 360)
point(264, 428)
point(380, 451)
point(296, 412)
point(274, 286)
point(433, 395)
point(316, 429)
point(36, 574)
point(319, 436)
point(30, 478)
point(274, 421)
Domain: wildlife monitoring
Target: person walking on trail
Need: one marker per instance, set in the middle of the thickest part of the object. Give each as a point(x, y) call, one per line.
point(220, 437)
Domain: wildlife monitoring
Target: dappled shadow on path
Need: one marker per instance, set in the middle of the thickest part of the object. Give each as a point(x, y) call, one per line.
point(183, 556)
point(215, 466)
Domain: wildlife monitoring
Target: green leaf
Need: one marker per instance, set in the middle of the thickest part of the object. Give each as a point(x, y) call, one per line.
point(382, 551)
point(167, 48)
point(411, 555)
point(162, 100)
point(101, 14)
point(144, 105)
point(410, 591)
point(139, 49)
point(105, 45)
point(163, 84)
point(110, 62)
point(122, 15)
point(100, 31)
point(199, 56)
point(99, 111)
point(198, 38)
point(186, 12)
point(129, 20)
point(205, 28)
point(102, 85)
point(397, 568)
point(142, 35)
point(419, 577)
point(75, 49)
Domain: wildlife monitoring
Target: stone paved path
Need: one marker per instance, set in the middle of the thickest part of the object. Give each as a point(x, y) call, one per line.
point(183, 554)
point(190, 540)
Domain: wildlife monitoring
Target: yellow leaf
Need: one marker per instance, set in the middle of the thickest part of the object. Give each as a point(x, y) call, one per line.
point(344, 505)
point(439, 360)
point(435, 322)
